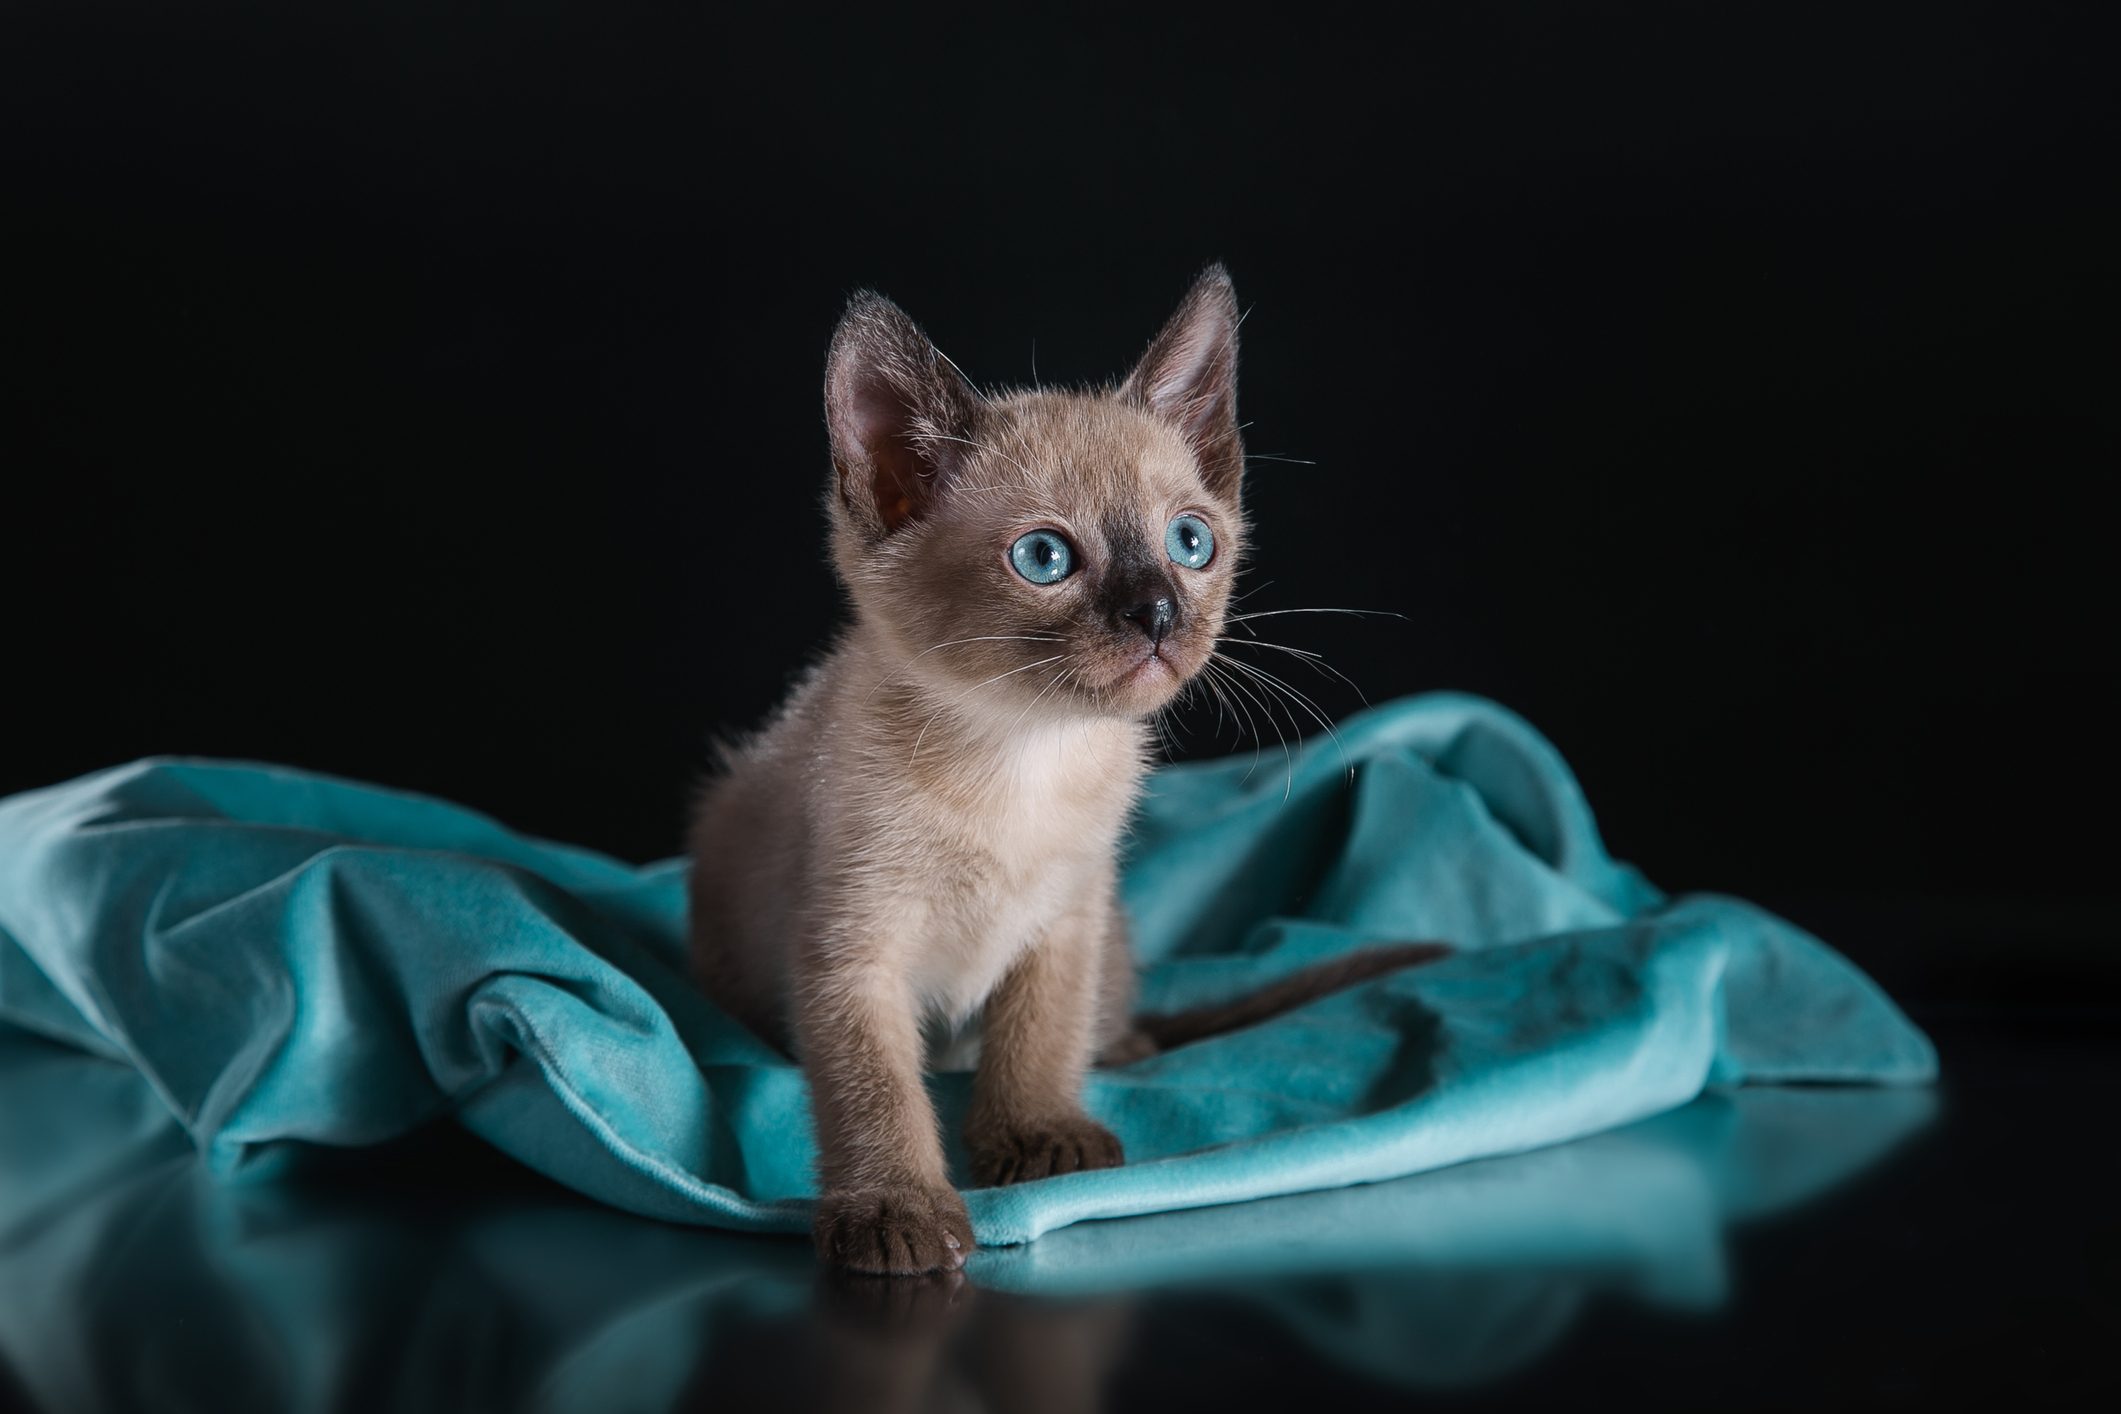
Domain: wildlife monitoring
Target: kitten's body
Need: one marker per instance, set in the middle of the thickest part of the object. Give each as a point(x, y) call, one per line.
point(927, 835)
point(835, 811)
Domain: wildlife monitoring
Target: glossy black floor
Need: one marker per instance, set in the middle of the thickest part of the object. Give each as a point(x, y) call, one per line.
point(1763, 1249)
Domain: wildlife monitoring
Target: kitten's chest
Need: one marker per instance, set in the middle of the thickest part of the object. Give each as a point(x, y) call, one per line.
point(1026, 808)
point(1050, 806)
point(1030, 849)
point(980, 923)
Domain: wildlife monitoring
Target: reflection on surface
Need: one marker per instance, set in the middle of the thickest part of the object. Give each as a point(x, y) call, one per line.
point(435, 1276)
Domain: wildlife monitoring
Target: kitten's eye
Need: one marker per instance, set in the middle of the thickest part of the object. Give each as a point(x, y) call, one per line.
point(1042, 557)
point(1189, 542)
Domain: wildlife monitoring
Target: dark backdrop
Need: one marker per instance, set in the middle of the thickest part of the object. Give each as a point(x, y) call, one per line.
point(436, 401)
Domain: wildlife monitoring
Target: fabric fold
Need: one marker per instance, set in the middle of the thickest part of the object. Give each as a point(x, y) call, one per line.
point(293, 961)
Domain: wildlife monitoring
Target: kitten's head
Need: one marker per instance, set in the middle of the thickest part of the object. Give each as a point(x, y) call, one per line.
point(1071, 551)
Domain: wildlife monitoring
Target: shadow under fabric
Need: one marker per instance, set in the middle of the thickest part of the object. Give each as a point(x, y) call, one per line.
point(292, 961)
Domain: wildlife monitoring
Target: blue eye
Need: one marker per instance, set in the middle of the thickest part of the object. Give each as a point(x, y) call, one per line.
point(1042, 557)
point(1189, 542)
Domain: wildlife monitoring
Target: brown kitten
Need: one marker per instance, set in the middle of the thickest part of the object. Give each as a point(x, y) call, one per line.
point(927, 831)
point(927, 834)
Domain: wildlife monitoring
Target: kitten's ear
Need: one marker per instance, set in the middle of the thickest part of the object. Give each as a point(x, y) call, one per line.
point(1189, 378)
point(895, 407)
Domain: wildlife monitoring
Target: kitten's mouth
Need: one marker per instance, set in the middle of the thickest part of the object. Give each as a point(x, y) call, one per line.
point(1151, 666)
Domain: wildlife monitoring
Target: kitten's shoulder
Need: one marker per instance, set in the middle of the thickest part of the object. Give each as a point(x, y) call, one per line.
point(795, 715)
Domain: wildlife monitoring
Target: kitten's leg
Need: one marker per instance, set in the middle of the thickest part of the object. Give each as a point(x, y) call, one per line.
point(1119, 1040)
point(1027, 1117)
point(887, 1205)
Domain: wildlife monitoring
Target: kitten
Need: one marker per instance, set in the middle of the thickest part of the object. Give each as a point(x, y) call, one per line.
point(927, 832)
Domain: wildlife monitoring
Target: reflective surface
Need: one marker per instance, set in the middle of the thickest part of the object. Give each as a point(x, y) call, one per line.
point(1737, 1241)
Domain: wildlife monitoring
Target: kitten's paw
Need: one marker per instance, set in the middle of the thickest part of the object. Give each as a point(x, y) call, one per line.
point(902, 1230)
point(1021, 1152)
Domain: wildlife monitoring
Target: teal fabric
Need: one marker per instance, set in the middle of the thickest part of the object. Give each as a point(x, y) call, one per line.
point(292, 962)
point(481, 1294)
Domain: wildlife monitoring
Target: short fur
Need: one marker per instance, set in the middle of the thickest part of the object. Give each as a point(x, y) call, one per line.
point(924, 838)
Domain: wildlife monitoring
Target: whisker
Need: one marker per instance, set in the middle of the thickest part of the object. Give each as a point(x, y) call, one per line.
point(977, 447)
point(900, 672)
point(1023, 443)
point(960, 697)
point(999, 486)
point(1214, 689)
point(1251, 727)
point(1056, 681)
point(959, 371)
point(1299, 697)
point(1021, 668)
point(992, 638)
point(1237, 707)
point(1266, 710)
point(1315, 661)
point(1273, 613)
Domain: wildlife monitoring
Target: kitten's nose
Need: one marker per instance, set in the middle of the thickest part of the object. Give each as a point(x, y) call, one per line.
point(1154, 617)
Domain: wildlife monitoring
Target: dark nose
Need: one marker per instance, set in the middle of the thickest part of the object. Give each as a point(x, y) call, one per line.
point(1154, 617)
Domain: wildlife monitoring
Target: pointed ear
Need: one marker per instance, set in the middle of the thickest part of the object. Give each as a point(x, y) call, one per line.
point(1189, 378)
point(893, 405)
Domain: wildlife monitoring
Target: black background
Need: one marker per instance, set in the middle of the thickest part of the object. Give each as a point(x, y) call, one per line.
point(435, 400)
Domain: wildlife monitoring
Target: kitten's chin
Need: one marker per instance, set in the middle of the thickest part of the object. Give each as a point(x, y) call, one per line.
point(1147, 685)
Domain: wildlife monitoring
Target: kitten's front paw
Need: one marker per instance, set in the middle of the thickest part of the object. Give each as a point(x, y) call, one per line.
point(902, 1230)
point(1020, 1152)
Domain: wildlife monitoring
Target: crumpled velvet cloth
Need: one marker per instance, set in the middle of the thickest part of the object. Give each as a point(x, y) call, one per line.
point(293, 961)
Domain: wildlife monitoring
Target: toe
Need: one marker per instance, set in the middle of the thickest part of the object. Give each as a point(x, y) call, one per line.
point(894, 1231)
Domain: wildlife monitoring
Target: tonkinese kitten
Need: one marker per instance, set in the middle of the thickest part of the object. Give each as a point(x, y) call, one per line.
point(924, 838)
